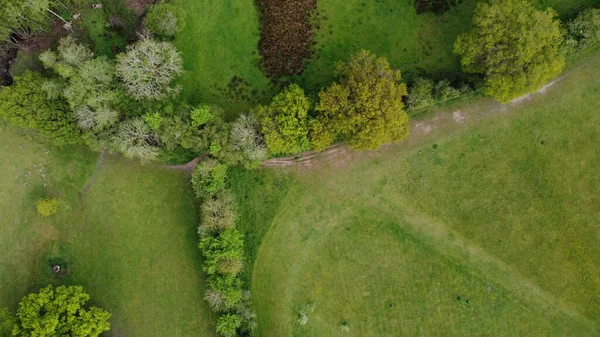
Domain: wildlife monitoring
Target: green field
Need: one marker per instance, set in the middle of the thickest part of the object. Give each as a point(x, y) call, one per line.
point(488, 229)
point(129, 240)
point(219, 45)
point(418, 45)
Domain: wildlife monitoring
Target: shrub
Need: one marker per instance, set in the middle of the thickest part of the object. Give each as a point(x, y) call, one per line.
point(223, 253)
point(365, 108)
point(59, 312)
point(153, 120)
point(285, 121)
point(515, 46)
point(148, 68)
point(217, 213)
point(420, 96)
point(230, 289)
point(445, 92)
point(201, 115)
point(208, 178)
point(247, 140)
point(228, 324)
point(47, 206)
point(165, 19)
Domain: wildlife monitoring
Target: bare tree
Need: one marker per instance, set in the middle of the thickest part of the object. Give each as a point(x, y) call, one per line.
point(135, 140)
point(148, 68)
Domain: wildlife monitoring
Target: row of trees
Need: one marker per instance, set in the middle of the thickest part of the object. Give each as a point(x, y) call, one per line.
point(222, 246)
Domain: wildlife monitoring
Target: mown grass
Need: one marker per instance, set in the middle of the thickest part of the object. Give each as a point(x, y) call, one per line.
point(130, 241)
point(418, 45)
point(258, 194)
point(219, 45)
point(501, 212)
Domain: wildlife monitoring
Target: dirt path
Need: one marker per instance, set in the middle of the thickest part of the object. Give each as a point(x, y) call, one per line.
point(90, 180)
point(418, 128)
point(188, 167)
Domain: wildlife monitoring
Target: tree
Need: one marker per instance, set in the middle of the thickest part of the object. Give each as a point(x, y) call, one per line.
point(217, 213)
point(247, 140)
point(19, 14)
point(585, 29)
point(365, 108)
point(59, 312)
point(47, 206)
point(228, 324)
point(135, 140)
point(515, 47)
point(208, 178)
point(25, 104)
point(285, 121)
point(223, 253)
point(165, 19)
point(148, 68)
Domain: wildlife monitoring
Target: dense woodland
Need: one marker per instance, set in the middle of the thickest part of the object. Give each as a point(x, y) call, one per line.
point(126, 99)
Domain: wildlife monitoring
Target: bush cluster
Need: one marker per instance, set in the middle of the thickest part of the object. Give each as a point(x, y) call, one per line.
point(47, 206)
point(425, 93)
point(222, 246)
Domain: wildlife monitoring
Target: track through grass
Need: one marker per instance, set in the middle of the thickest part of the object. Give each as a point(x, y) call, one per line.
point(501, 212)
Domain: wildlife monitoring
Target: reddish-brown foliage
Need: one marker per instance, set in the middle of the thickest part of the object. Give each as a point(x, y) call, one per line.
point(286, 35)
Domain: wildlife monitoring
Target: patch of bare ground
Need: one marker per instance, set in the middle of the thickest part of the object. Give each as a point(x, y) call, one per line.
point(286, 35)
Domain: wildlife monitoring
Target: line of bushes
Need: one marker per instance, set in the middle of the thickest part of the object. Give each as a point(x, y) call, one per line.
point(222, 246)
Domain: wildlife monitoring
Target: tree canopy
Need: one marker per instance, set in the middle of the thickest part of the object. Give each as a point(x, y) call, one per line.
point(514, 45)
point(285, 121)
point(59, 312)
point(148, 68)
point(26, 104)
point(365, 105)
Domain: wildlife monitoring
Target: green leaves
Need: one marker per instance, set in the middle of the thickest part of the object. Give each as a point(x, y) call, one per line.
point(59, 312)
point(365, 108)
point(514, 45)
point(285, 121)
point(25, 104)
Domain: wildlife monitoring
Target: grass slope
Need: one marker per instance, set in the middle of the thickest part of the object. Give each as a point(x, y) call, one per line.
point(130, 242)
point(219, 43)
point(502, 213)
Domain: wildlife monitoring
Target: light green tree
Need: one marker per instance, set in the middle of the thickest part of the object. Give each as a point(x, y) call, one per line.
point(515, 46)
point(285, 121)
point(228, 324)
point(365, 106)
point(59, 312)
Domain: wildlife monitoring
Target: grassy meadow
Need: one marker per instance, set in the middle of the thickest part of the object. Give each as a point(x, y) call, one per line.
point(130, 239)
point(483, 229)
point(219, 48)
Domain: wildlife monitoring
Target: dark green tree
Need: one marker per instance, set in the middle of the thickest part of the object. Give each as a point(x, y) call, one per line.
point(26, 104)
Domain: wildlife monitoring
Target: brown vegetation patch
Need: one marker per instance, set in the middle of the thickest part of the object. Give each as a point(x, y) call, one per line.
point(286, 35)
point(138, 6)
